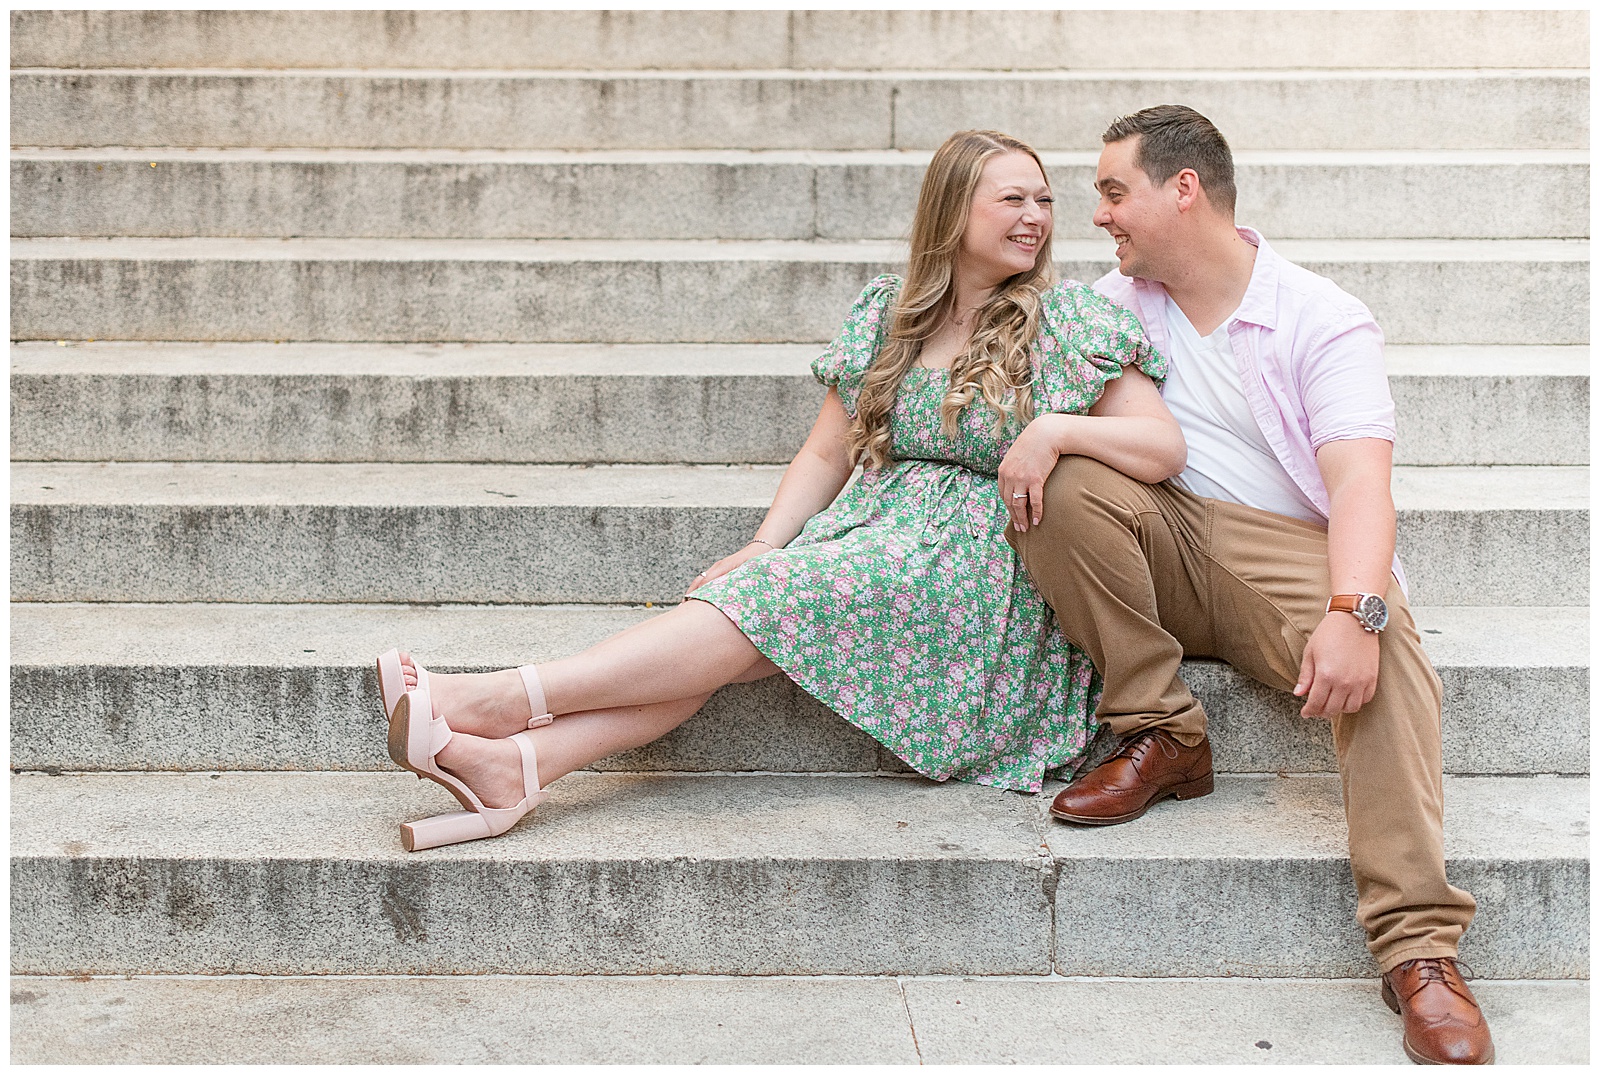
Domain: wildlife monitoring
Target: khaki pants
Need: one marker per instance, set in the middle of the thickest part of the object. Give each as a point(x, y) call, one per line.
point(1141, 575)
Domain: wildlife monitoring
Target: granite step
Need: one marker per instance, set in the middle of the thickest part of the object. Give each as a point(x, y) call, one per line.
point(236, 873)
point(192, 687)
point(738, 194)
point(960, 40)
point(622, 403)
point(722, 1020)
point(1467, 291)
point(785, 109)
point(514, 534)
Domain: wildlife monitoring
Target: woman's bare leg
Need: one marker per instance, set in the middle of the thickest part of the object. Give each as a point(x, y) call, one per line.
point(622, 678)
point(689, 651)
point(493, 767)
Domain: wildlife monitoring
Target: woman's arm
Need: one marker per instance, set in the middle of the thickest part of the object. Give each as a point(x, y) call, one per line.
point(814, 478)
point(1128, 428)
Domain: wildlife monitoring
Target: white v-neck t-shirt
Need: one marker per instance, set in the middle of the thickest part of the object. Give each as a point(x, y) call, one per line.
point(1229, 459)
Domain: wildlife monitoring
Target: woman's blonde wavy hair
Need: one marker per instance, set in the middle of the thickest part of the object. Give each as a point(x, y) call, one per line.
point(997, 362)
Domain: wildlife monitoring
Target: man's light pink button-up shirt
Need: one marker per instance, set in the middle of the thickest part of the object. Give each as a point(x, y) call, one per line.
point(1310, 358)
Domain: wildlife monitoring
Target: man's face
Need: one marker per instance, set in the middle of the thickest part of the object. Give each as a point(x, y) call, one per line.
point(1133, 211)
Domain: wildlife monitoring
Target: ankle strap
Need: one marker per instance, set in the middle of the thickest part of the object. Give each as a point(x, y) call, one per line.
point(530, 683)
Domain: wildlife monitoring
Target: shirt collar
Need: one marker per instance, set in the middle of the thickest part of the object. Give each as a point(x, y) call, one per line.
point(1260, 303)
point(1258, 307)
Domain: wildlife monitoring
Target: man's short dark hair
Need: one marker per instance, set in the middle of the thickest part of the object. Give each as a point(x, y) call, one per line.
point(1175, 137)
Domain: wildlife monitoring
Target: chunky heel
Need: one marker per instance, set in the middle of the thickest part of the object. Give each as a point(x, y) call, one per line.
point(457, 828)
point(415, 737)
point(1195, 788)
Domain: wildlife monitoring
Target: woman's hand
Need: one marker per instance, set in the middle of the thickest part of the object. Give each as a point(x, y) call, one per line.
point(726, 564)
point(1027, 463)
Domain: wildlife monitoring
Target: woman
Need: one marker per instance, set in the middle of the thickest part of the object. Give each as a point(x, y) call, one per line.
point(901, 606)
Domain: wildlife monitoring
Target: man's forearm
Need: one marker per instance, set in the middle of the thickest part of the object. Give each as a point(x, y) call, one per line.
point(1361, 517)
point(1361, 527)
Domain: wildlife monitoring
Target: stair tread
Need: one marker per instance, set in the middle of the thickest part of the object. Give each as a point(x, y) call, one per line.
point(440, 360)
point(809, 74)
point(792, 1019)
point(734, 156)
point(1447, 488)
point(632, 816)
point(477, 636)
point(863, 250)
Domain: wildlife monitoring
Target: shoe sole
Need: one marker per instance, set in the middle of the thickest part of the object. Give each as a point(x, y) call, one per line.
point(1393, 1003)
point(399, 750)
point(1194, 789)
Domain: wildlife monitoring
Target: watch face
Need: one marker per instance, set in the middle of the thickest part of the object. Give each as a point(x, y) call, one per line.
point(1373, 612)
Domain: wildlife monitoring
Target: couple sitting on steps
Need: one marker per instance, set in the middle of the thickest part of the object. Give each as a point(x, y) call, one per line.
point(1064, 490)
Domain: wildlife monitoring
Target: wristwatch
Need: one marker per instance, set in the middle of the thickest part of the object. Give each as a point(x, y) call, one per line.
point(1368, 609)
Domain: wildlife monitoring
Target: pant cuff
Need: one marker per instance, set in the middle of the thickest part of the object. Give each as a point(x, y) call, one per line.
point(1433, 950)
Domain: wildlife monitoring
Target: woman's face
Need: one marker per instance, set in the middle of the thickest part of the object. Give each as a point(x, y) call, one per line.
point(1010, 219)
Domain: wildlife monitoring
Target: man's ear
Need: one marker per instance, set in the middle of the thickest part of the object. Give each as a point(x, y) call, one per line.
point(1188, 188)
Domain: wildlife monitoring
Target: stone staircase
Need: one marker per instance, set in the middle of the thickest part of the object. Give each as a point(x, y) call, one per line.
point(481, 332)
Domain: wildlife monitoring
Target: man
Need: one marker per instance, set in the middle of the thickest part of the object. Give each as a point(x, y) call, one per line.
point(1273, 550)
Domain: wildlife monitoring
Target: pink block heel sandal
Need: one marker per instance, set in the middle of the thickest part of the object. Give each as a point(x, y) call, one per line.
point(392, 687)
point(415, 737)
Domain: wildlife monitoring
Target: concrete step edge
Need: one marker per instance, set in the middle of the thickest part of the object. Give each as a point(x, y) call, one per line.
point(866, 250)
point(301, 829)
point(160, 872)
point(134, 358)
point(810, 39)
point(452, 637)
point(98, 687)
point(724, 1019)
point(1446, 488)
point(812, 74)
point(819, 158)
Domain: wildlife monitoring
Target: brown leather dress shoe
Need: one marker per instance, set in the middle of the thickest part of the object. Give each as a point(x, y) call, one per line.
point(1151, 766)
point(1443, 1024)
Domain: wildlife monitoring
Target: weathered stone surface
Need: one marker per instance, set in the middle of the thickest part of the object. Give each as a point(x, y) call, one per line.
point(302, 873)
point(533, 403)
point(1436, 292)
point(1526, 110)
point(1218, 1021)
point(520, 534)
point(1489, 405)
point(738, 194)
point(193, 687)
point(465, 1019)
point(960, 40)
point(1261, 863)
point(752, 1020)
point(783, 110)
point(623, 403)
point(616, 874)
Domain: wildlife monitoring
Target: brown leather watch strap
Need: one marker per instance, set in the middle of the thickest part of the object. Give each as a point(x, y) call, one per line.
point(1344, 602)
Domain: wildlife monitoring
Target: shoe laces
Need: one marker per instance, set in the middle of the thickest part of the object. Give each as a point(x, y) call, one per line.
point(1138, 746)
point(1435, 970)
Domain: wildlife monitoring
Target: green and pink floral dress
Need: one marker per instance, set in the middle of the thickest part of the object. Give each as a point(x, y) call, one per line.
point(902, 606)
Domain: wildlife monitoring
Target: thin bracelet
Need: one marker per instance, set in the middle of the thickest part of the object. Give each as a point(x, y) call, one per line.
point(763, 541)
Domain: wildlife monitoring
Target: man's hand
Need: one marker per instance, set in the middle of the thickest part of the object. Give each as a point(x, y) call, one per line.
point(1339, 673)
point(1027, 463)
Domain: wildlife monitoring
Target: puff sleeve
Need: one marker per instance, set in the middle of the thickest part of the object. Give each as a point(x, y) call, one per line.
point(844, 364)
point(1085, 340)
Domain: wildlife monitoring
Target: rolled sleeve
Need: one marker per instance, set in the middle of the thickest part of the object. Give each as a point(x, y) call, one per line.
point(1345, 387)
